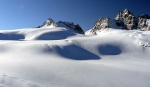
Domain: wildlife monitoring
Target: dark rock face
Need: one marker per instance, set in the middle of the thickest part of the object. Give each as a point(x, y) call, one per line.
point(79, 29)
point(71, 25)
point(123, 20)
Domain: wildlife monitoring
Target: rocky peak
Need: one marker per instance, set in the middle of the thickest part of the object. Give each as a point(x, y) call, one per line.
point(144, 22)
point(126, 19)
point(119, 16)
point(49, 22)
point(126, 11)
point(68, 25)
point(101, 23)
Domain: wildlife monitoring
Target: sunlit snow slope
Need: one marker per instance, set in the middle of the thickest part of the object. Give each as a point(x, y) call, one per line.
point(58, 57)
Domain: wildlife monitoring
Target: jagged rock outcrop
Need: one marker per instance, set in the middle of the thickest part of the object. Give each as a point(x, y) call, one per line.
point(68, 25)
point(71, 25)
point(123, 20)
point(144, 22)
point(119, 20)
point(126, 20)
point(103, 23)
point(148, 24)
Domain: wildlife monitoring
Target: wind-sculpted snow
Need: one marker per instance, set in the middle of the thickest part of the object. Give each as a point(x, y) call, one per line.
point(58, 35)
point(37, 34)
point(58, 57)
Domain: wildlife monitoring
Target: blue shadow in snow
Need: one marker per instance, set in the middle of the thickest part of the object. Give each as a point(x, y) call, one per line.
point(108, 49)
point(74, 52)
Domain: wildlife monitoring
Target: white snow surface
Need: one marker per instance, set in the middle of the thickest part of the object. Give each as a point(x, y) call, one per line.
point(58, 57)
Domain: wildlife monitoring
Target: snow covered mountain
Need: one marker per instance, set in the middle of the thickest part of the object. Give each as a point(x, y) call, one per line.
point(68, 25)
point(123, 20)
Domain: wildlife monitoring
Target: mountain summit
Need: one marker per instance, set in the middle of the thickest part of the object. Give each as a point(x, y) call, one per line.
point(126, 19)
point(123, 20)
point(49, 23)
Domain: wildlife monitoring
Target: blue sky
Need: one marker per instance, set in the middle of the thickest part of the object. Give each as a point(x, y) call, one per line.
point(15, 14)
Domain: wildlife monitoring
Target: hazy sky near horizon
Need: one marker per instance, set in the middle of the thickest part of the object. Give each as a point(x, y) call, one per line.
point(16, 14)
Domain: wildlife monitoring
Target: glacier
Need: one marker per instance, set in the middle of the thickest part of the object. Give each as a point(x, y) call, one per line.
point(60, 57)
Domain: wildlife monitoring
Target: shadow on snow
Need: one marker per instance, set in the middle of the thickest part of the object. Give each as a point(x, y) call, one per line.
point(73, 52)
point(108, 49)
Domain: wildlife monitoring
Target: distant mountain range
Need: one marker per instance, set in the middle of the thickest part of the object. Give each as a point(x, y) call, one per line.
point(123, 20)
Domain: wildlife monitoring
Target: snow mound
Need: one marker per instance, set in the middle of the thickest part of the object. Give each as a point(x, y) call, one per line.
point(49, 34)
